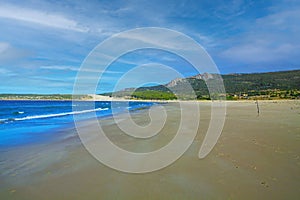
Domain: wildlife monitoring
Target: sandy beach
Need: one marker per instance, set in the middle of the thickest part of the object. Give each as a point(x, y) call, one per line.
point(256, 157)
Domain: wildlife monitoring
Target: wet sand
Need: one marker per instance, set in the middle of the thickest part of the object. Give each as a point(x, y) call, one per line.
point(256, 157)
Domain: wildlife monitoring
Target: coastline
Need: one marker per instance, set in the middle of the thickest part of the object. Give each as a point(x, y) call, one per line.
point(153, 100)
point(93, 97)
point(258, 156)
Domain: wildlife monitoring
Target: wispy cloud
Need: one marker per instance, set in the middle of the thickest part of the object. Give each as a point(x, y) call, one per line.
point(65, 68)
point(3, 47)
point(260, 53)
point(6, 72)
point(271, 40)
point(158, 38)
point(9, 54)
point(40, 17)
point(77, 69)
point(47, 40)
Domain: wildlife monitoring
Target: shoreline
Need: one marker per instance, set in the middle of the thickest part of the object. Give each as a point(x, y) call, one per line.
point(94, 97)
point(150, 100)
point(258, 156)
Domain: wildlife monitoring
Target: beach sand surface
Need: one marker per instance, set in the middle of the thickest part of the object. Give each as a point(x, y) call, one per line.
point(256, 157)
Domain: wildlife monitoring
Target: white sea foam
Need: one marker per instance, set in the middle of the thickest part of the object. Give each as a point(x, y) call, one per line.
point(58, 114)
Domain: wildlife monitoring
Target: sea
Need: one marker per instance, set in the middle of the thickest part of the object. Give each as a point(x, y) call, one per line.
point(27, 121)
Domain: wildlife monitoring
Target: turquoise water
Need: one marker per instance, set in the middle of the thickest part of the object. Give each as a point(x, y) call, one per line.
point(24, 122)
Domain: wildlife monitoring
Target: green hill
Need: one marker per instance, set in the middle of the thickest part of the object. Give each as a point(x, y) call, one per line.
point(270, 85)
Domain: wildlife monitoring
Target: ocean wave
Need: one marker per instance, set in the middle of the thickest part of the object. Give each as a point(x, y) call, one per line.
point(18, 112)
point(52, 115)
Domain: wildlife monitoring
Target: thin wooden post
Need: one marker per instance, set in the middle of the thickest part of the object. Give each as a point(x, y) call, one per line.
point(257, 106)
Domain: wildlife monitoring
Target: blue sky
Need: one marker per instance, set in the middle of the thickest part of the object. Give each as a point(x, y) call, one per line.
point(43, 43)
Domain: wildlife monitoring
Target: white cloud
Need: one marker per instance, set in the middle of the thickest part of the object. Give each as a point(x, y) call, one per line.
point(163, 40)
point(75, 69)
point(6, 72)
point(55, 67)
point(40, 17)
point(287, 20)
point(256, 53)
point(3, 47)
point(231, 9)
point(272, 39)
point(9, 53)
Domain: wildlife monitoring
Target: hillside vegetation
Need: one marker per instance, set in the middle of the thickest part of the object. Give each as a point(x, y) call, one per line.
point(271, 85)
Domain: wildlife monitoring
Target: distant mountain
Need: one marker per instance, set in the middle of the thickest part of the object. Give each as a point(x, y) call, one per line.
point(283, 84)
